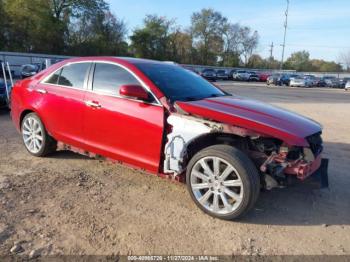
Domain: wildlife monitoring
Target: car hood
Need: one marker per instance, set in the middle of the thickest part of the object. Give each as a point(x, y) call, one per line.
point(259, 117)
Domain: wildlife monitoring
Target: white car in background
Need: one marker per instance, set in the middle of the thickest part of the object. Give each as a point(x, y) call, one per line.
point(241, 75)
point(347, 86)
point(297, 82)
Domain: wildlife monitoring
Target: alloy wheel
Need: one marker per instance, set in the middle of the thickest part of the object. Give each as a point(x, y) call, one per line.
point(216, 185)
point(33, 136)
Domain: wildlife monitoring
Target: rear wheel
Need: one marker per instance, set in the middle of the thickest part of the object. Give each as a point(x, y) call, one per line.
point(35, 137)
point(223, 181)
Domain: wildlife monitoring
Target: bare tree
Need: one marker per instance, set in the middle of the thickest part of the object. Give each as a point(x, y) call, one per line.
point(249, 42)
point(344, 58)
point(231, 44)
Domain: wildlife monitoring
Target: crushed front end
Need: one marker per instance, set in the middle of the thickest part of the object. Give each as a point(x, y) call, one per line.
point(282, 164)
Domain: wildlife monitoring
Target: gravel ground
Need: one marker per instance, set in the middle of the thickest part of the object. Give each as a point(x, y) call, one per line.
point(70, 204)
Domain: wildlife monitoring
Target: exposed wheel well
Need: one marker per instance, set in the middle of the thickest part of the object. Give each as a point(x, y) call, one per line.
point(210, 139)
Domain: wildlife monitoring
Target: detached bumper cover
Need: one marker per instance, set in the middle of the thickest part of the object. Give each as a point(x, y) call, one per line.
point(304, 169)
point(315, 172)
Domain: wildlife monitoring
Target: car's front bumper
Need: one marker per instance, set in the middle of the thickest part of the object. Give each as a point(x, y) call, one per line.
point(303, 169)
point(316, 170)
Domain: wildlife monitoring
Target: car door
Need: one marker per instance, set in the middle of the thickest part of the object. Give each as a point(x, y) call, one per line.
point(62, 102)
point(120, 128)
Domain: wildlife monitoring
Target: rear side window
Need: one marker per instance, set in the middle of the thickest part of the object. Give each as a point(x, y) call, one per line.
point(108, 78)
point(53, 79)
point(74, 75)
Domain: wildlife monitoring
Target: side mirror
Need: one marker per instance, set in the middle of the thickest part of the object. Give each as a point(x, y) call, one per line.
point(134, 91)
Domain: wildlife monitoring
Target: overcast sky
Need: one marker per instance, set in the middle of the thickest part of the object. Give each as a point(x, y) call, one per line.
point(321, 27)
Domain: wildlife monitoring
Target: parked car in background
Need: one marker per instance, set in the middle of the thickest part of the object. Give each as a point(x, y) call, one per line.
point(3, 93)
point(231, 73)
point(347, 86)
point(343, 81)
point(263, 76)
point(31, 69)
point(171, 123)
point(326, 81)
point(273, 79)
point(253, 76)
point(221, 74)
point(317, 81)
point(284, 79)
point(297, 82)
point(310, 80)
point(241, 75)
point(209, 74)
point(336, 83)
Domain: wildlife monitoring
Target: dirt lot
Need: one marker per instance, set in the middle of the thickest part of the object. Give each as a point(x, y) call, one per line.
point(69, 204)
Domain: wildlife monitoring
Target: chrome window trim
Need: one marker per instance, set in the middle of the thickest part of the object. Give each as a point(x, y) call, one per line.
point(88, 89)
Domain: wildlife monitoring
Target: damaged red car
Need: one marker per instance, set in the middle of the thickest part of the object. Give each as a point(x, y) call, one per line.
point(168, 121)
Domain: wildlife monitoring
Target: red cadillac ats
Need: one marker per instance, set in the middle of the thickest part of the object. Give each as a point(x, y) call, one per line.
point(171, 122)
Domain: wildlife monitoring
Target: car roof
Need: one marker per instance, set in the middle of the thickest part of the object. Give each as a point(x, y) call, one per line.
point(129, 60)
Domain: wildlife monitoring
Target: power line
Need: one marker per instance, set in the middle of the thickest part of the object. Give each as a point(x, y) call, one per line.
point(285, 33)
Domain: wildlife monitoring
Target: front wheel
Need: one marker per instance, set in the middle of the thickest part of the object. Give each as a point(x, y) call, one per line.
point(35, 137)
point(223, 181)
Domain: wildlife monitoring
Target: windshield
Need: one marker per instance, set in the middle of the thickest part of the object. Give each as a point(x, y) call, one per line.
point(179, 84)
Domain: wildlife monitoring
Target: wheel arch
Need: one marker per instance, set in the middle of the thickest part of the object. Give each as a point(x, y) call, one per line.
point(216, 138)
point(28, 111)
point(23, 115)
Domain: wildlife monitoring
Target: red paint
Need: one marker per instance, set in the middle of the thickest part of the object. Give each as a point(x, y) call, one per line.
point(263, 77)
point(132, 131)
point(126, 130)
point(133, 91)
point(256, 116)
point(303, 169)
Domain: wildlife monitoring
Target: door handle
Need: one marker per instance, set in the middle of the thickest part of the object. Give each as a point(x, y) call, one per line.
point(93, 104)
point(41, 91)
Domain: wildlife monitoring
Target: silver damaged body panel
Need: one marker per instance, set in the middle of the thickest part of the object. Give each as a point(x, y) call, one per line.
point(184, 130)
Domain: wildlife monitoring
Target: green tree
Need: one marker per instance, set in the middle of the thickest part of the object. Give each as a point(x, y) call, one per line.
point(29, 26)
point(299, 61)
point(207, 29)
point(100, 34)
point(79, 27)
point(272, 63)
point(2, 25)
point(256, 61)
point(180, 46)
point(152, 41)
point(320, 65)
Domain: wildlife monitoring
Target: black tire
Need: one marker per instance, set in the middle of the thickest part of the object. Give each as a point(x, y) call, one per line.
point(49, 144)
point(247, 171)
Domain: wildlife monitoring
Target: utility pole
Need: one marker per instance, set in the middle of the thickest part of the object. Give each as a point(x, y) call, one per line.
point(285, 32)
point(271, 50)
